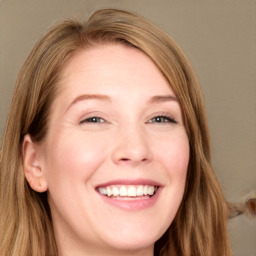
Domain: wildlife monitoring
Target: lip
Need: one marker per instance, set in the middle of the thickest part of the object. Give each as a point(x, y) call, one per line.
point(131, 182)
point(131, 205)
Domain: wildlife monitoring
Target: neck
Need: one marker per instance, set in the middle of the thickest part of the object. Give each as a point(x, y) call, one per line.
point(82, 249)
point(106, 252)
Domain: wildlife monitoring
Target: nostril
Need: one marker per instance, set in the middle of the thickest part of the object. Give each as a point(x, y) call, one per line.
point(128, 159)
point(125, 159)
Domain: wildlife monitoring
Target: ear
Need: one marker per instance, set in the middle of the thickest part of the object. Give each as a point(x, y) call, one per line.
point(32, 166)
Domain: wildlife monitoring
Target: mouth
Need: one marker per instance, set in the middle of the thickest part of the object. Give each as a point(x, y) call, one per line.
point(130, 195)
point(127, 192)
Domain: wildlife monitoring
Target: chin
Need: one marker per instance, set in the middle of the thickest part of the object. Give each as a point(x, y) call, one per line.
point(130, 241)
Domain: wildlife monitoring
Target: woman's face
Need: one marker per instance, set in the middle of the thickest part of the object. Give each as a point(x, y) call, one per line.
point(116, 154)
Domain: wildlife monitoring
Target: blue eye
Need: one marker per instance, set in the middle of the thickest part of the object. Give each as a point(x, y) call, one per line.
point(93, 119)
point(162, 119)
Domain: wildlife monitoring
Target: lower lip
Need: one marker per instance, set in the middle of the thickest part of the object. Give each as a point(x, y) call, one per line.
point(132, 205)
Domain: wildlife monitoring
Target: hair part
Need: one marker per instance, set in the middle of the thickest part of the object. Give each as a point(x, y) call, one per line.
point(26, 226)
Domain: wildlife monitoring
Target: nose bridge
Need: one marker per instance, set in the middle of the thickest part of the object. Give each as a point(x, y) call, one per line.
point(132, 145)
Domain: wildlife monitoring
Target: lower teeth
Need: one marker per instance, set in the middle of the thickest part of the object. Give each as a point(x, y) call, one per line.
point(131, 197)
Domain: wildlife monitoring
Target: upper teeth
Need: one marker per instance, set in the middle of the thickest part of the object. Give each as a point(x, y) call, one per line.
point(130, 190)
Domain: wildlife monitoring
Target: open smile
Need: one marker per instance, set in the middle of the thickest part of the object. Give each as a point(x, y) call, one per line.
point(130, 196)
point(128, 191)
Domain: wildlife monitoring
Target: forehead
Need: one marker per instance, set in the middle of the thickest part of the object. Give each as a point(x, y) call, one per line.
point(112, 66)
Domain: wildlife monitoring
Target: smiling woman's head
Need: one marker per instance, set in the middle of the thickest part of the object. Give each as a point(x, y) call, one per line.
point(119, 89)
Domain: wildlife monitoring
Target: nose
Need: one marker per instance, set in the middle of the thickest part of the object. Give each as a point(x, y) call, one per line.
point(132, 148)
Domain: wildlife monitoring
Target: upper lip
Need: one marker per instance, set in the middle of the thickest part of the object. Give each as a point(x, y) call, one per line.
point(131, 182)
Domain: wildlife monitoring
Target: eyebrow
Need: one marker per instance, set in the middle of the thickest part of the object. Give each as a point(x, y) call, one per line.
point(90, 97)
point(164, 98)
point(101, 97)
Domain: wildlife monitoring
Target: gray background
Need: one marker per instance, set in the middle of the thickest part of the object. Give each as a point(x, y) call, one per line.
point(218, 36)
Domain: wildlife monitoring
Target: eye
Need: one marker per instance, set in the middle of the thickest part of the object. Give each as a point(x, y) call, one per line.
point(162, 119)
point(93, 119)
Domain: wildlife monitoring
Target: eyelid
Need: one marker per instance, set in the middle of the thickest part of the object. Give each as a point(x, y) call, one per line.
point(86, 120)
point(170, 119)
point(167, 116)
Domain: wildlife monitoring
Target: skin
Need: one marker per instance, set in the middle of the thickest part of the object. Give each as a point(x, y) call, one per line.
point(127, 142)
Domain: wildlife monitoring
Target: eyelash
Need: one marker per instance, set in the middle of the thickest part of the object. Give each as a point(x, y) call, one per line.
point(157, 119)
point(162, 119)
point(93, 119)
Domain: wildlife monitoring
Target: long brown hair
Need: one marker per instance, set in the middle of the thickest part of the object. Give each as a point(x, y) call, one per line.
point(26, 228)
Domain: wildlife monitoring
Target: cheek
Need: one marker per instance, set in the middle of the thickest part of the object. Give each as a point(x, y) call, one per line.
point(174, 155)
point(74, 156)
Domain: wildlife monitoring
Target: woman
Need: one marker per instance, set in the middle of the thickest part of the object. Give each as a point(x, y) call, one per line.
point(106, 149)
